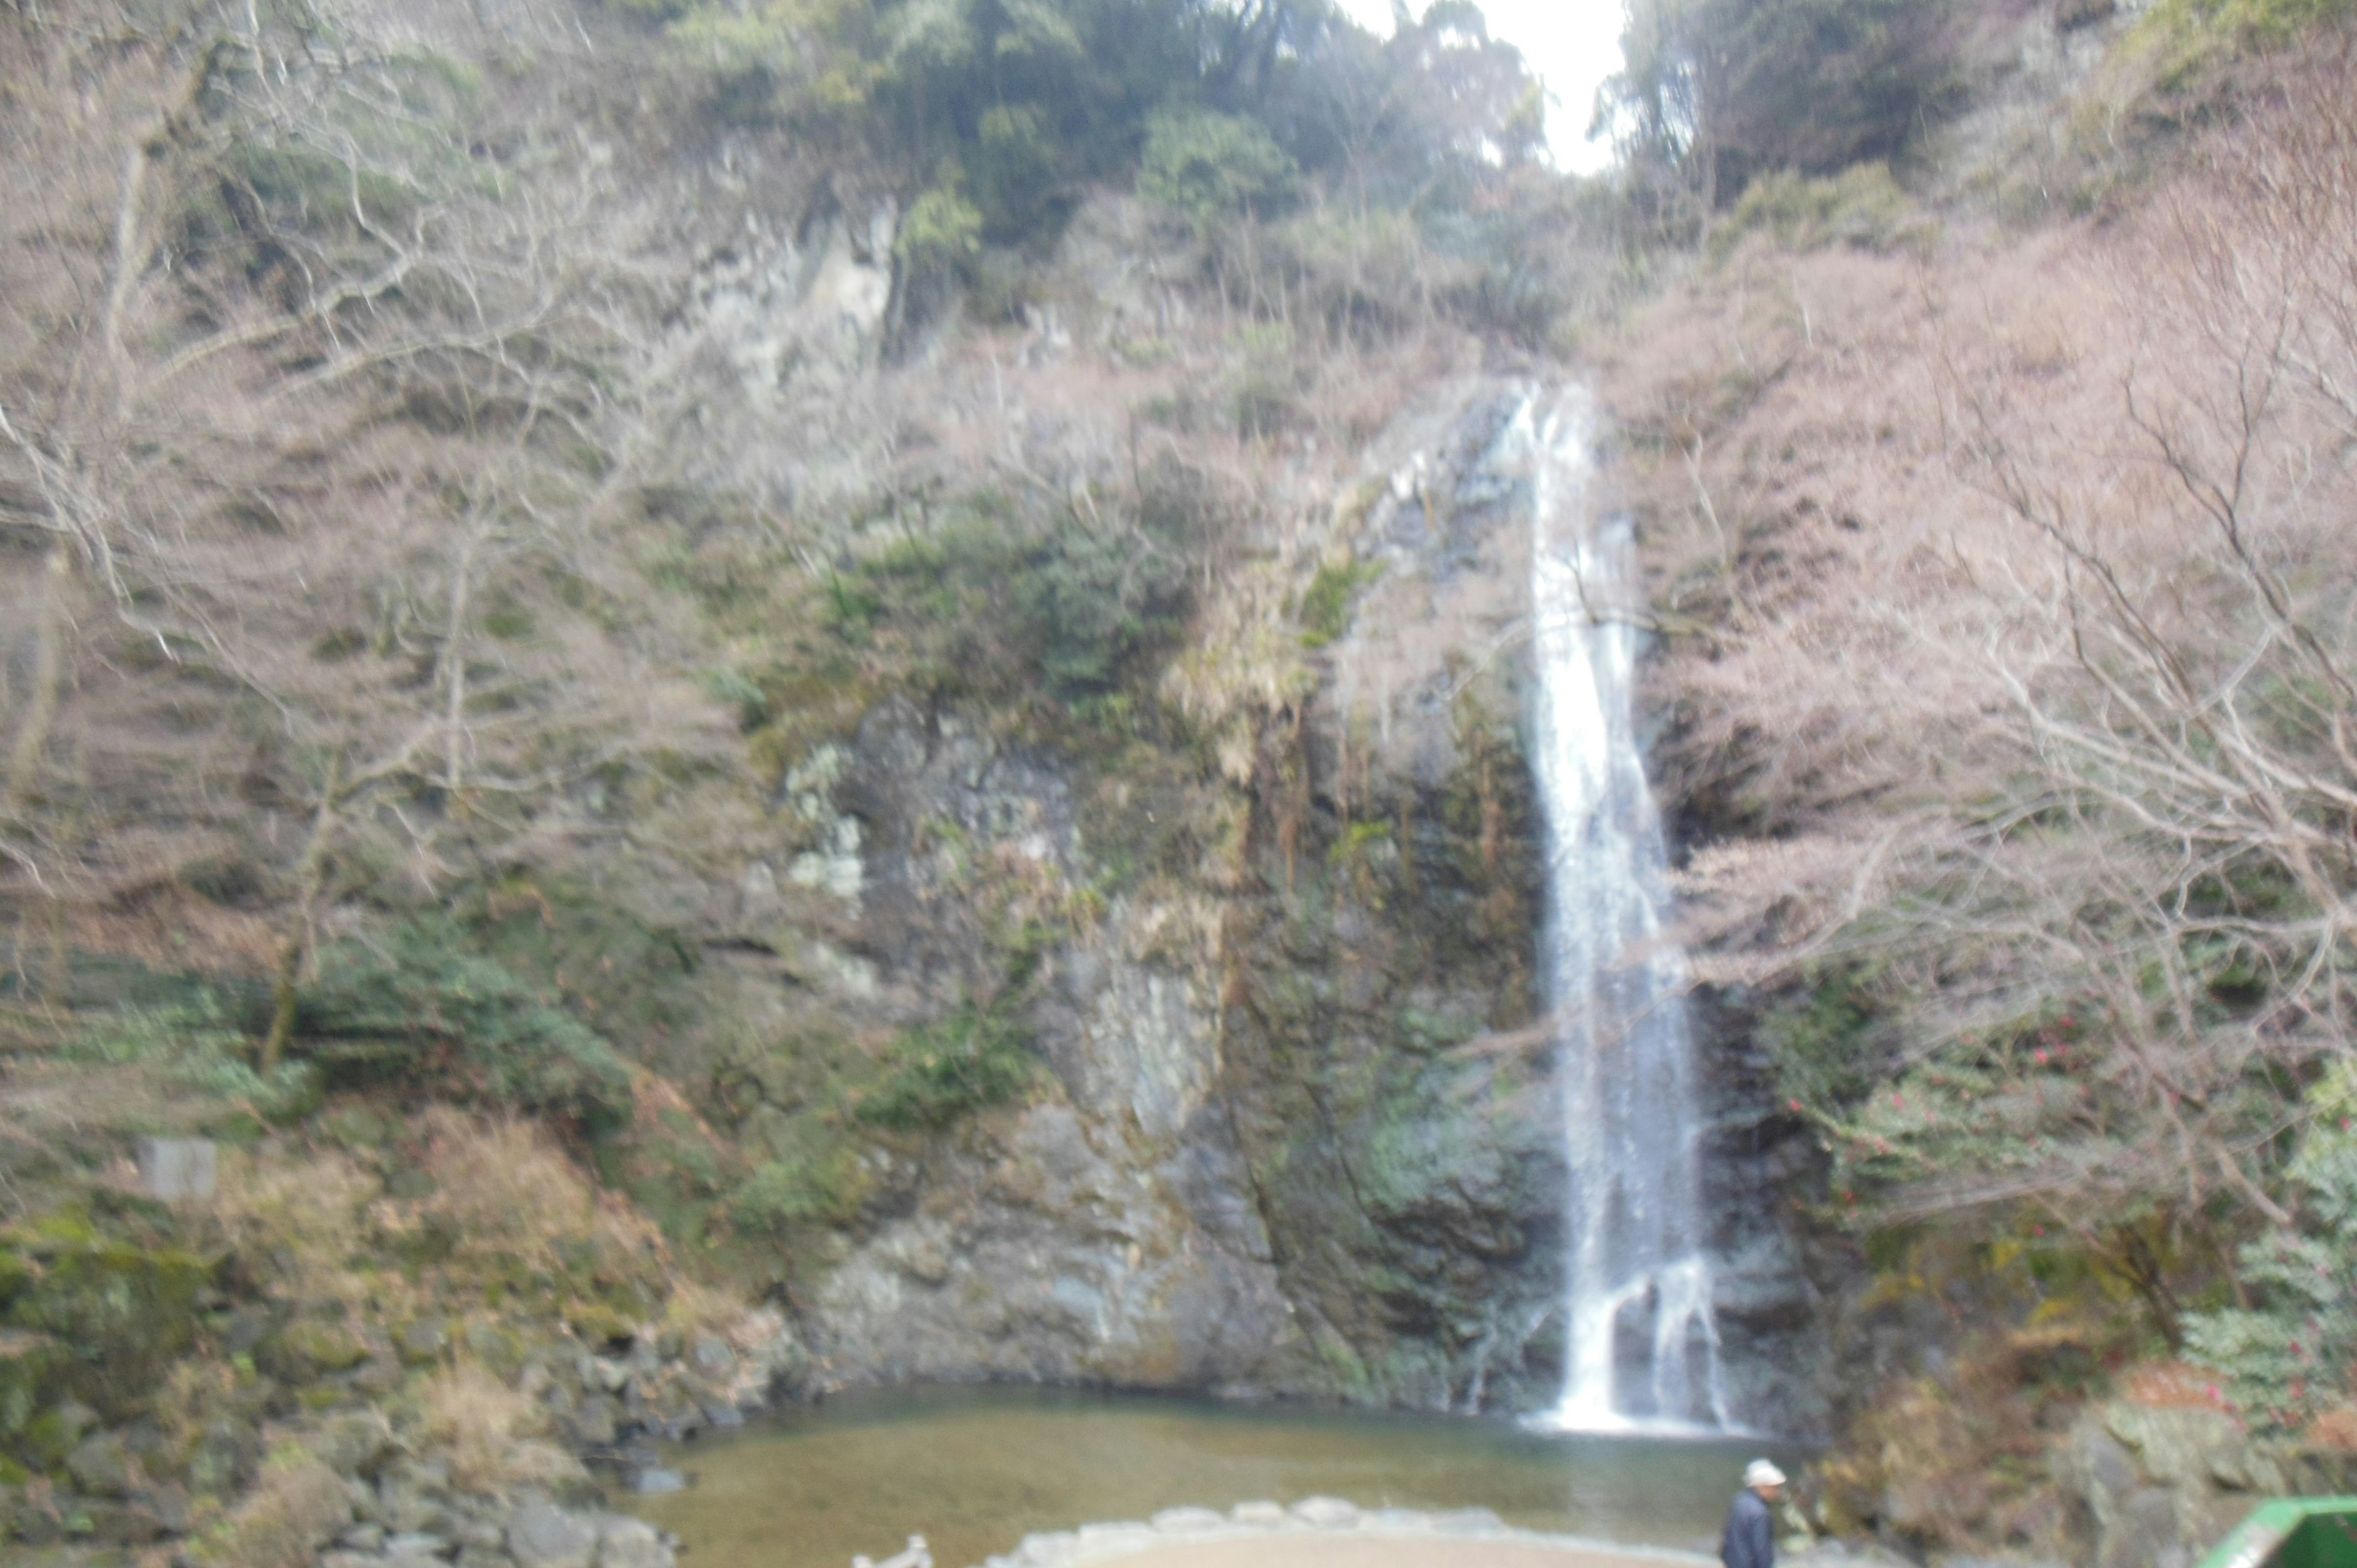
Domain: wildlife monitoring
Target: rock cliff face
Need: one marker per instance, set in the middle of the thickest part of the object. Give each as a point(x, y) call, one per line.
point(1292, 1143)
point(1300, 1131)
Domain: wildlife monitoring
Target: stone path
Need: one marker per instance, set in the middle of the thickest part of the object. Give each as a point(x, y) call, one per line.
point(1327, 1533)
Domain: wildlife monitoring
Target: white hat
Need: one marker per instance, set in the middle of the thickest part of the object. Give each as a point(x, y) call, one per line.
point(1762, 1473)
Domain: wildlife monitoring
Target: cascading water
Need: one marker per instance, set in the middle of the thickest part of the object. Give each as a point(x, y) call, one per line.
point(1643, 1347)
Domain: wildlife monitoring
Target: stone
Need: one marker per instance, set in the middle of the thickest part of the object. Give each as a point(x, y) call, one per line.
point(1259, 1515)
point(604, 1372)
point(653, 1480)
point(424, 1341)
point(99, 1467)
point(355, 1443)
point(363, 1538)
point(484, 1557)
point(1326, 1514)
point(542, 1535)
point(1186, 1521)
point(2143, 1534)
point(488, 1535)
point(627, 1542)
point(351, 1560)
point(247, 1326)
point(594, 1421)
point(378, 1377)
point(713, 1356)
point(178, 1170)
point(168, 1505)
point(418, 1544)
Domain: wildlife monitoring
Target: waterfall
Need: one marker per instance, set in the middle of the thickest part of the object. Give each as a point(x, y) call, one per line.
point(1644, 1348)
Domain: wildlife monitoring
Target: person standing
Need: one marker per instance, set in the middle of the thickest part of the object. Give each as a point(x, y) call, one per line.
point(1750, 1538)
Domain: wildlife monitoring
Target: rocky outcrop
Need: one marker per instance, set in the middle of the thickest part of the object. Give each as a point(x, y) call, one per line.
point(2158, 1488)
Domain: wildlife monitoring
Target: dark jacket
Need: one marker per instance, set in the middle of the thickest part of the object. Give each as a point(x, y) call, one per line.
point(1751, 1539)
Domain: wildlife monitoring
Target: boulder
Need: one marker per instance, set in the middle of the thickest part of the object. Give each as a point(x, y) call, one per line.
point(542, 1535)
point(100, 1466)
point(627, 1542)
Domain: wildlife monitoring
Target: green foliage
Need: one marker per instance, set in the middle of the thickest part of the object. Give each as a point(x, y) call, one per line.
point(974, 1058)
point(1209, 167)
point(1722, 91)
point(1828, 1043)
point(2288, 1357)
point(1862, 207)
point(1326, 606)
point(1014, 163)
point(2012, 1105)
point(940, 233)
point(423, 1003)
point(1356, 843)
point(825, 1185)
point(2182, 39)
point(989, 602)
point(199, 1052)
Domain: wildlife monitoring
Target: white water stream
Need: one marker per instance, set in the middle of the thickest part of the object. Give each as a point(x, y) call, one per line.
point(1644, 1351)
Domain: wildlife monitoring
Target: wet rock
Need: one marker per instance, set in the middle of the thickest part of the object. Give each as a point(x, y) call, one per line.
point(542, 1535)
point(655, 1479)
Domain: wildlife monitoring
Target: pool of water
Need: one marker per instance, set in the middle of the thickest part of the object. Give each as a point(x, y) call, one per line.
point(973, 1470)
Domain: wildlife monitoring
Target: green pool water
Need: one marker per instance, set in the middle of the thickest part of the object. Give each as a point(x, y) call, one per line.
point(973, 1470)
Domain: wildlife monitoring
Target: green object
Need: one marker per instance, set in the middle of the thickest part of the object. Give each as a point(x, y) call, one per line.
point(2292, 1532)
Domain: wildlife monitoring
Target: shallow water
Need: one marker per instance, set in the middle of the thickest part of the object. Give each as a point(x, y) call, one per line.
point(973, 1470)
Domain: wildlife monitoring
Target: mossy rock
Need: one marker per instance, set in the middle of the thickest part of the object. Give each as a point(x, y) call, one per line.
point(307, 1349)
point(33, 1367)
point(125, 1312)
point(597, 1325)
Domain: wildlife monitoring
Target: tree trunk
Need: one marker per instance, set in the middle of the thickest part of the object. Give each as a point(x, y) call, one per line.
point(48, 685)
point(310, 878)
